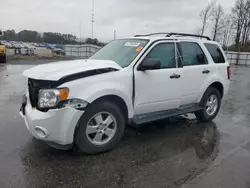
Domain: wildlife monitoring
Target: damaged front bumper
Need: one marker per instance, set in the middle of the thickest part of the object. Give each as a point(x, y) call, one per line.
point(54, 126)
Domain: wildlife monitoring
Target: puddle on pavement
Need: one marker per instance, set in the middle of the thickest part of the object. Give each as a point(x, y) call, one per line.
point(166, 152)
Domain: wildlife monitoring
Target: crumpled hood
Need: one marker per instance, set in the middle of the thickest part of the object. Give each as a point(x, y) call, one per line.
point(55, 71)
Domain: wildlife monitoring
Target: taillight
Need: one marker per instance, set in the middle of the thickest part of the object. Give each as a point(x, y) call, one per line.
point(228, 72)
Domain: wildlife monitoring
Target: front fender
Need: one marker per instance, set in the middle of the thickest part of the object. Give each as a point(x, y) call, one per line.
point(97, 91)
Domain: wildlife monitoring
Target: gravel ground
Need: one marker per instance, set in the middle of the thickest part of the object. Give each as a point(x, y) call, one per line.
point(178, 152)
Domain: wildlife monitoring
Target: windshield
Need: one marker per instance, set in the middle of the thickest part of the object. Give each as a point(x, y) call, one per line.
point(122, 51)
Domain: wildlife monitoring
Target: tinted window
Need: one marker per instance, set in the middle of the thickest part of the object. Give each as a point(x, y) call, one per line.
point(192, 54)
point(122, 52)
point(165, 53)
point(215, 52)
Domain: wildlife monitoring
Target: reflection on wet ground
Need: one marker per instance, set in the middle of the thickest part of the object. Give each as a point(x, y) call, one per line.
point(157, 155)
point(176, 152)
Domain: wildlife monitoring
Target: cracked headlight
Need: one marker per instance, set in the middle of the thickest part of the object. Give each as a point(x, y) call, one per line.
point(49, 98)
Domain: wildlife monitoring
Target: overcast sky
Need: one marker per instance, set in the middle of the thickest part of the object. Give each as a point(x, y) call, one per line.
point(128, 17)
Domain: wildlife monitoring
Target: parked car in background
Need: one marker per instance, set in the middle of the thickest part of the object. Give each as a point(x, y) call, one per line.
point(50, 46)
point(42, 45)
point(22, 45)
point(34, 44)
point(7, 44)
point(16, 45)
point(58, 51)
point(28, 46)
point(29, 49)
point(60, 46)
point(25, 45)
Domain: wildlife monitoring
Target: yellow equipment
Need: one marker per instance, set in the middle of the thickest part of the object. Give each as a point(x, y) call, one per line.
point(2, 50)
point(2, 54)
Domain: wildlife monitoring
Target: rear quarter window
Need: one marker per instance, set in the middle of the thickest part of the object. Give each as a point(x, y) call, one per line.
point(215, 52)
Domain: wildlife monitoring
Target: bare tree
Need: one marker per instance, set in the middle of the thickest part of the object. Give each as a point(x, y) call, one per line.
point(217, 21)
point(197, 31)
point(239, 16)
point(227, 31)
point(205, 15)
point(246, 24)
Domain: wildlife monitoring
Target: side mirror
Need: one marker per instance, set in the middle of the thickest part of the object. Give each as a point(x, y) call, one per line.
point(150, 64)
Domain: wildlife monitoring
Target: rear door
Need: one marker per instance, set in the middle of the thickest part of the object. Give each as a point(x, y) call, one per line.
point(194, 72)
point(220, 65)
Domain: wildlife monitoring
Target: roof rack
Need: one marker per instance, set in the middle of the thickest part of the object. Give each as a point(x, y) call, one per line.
point(188, 35)
point(150, 34)
point(171, 34)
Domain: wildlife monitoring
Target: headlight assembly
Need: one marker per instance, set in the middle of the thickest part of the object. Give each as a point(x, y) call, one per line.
point(49, 98)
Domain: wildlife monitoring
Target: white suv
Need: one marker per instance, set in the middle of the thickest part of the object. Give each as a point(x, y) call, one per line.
point(129, 81)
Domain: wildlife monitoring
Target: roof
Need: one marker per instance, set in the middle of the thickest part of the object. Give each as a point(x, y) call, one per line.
point(191, 39)
point(174, 36)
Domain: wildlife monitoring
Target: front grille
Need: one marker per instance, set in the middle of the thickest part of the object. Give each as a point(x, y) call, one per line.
point(34, 86)
point(33, 93)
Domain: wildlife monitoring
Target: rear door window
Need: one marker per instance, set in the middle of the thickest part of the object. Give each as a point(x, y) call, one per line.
point(192, 54)
point(215, 52)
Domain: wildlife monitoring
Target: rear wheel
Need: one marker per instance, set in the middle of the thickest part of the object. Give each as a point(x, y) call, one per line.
point(100, 128)
point(210, 104)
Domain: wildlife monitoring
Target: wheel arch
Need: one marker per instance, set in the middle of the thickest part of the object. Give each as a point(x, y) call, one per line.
point(216, 84)
point(219, 87)
point(117, 100)
point(115, 95)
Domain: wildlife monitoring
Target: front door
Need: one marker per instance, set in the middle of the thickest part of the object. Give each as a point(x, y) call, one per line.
point(158, 90)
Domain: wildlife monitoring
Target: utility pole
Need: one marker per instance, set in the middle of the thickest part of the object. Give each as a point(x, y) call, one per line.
point(114, 34)
point(93, 18)
point(80, 32)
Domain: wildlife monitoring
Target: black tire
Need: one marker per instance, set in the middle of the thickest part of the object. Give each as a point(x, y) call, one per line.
point(81, 139)
point(3, 59)
point(202, 115)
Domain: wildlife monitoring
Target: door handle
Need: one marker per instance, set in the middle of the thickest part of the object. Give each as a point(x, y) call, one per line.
point(175, 76)
point(205, 71)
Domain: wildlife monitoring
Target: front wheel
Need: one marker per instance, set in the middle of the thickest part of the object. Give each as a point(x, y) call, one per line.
point(100, 128)
point(210, 104)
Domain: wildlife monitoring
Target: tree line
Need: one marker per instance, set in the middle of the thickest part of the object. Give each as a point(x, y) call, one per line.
point(46, 37)
point(231, 29)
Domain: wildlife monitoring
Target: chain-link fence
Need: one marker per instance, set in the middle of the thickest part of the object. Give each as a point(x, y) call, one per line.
point(238, 58)
point(83, 51)
point(42, 52)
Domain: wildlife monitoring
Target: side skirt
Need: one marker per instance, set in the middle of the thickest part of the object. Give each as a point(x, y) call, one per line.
point(154, 116)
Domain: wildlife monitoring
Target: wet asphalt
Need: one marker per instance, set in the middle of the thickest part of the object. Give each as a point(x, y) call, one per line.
point(177, 152)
